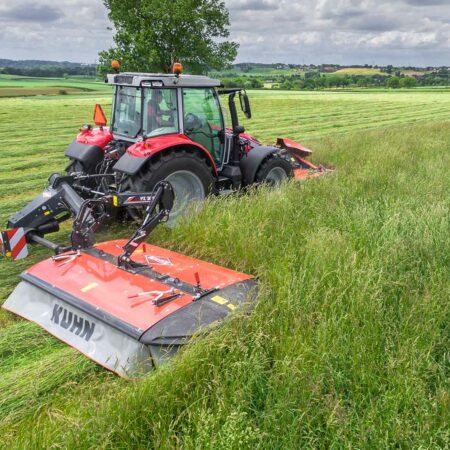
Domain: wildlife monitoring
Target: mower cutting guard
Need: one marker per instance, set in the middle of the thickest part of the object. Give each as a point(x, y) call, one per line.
point(297, 154)
point(128, 320)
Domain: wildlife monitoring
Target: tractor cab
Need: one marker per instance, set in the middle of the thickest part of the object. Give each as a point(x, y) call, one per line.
point(153, 105)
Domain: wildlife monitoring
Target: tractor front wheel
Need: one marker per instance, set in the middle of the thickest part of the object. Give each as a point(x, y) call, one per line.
point(188, 173)
point(274, 170)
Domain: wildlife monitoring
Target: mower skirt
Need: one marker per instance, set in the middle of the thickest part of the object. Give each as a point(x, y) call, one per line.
point(128, 320)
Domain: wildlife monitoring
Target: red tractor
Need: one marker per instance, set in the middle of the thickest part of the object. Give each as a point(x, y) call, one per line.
point(171, 127)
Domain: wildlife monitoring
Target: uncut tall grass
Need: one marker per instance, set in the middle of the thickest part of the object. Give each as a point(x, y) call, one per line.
point(348, 346)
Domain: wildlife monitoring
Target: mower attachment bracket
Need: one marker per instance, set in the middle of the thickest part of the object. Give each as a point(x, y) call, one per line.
point(93, 213)
point(159, 205)
point(91, 216)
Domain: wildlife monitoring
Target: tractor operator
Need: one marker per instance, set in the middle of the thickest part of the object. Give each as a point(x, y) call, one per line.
point(156, 113)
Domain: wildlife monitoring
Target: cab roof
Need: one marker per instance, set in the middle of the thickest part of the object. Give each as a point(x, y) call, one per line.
point(160, 80)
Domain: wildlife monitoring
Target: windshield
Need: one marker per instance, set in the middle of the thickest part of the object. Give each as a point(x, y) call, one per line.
point(127, 111)
point(153, 112)
point(160, 112)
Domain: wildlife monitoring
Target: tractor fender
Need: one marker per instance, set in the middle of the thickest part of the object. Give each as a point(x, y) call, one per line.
point(138, 154)
point(88, 146)
point(252, 160)
point(88, 154)
point(130, 164)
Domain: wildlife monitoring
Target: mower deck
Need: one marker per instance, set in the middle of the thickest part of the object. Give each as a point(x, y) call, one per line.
point(128, 320)
point(305, 174)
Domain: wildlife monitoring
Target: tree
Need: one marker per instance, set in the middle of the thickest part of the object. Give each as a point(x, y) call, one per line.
point(153, 34)
point(408, 82)
point(362, 82)
point(393, 82)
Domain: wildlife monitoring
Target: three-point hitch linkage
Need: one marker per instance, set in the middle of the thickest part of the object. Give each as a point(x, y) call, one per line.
point(60, 201)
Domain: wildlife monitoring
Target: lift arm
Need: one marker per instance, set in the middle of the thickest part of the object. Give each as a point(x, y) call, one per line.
point(94, 213)
point(157, 211)
point(90, 216)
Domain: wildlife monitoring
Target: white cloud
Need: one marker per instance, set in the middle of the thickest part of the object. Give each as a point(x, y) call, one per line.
point(74, 30)
point(308, 31)
point(402, 39)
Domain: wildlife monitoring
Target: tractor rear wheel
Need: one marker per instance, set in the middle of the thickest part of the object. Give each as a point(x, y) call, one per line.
point(75, 166)
point(190, 176)
point(274, 170)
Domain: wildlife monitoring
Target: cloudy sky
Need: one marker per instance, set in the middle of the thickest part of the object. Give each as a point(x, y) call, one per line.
point(399, 32)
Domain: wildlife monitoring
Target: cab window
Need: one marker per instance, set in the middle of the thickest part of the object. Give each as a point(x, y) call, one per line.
point(203, 121)
point(160, 112)
point(127, 111)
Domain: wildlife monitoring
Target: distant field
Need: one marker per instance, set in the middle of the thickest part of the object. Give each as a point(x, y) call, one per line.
point(16, 86)
point(27, 92)
point(410, 73)
point(256, 72)
point(358, 71)
point(313, 114)
point(348, 347)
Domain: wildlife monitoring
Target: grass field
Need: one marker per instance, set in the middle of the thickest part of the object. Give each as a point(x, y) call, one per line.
point(349, 344)
point(357, 71)
point(17, 86)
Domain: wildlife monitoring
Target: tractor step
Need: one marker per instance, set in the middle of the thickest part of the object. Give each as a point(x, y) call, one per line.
point(223, 183)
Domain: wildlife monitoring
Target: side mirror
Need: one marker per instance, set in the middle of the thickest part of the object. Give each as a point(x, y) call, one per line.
point(245, 104)
point(99, 116)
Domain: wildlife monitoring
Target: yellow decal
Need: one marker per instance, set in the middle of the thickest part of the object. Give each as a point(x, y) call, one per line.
point(223, 301)
point(89, 287)
point(115, 200)
point(46, 213)
point(220, 300)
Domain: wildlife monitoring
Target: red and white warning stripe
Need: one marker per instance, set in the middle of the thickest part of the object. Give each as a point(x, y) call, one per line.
point(14, 243)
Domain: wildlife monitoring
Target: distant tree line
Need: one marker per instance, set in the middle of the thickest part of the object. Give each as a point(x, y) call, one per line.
point(247, 83)
point(51, 71)
point(314, 80)
point(242, 75)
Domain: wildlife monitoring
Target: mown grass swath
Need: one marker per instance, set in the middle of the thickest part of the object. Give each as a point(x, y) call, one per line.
point(348, 346)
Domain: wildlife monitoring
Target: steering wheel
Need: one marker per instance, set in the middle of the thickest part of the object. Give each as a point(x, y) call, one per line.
point(192, 122)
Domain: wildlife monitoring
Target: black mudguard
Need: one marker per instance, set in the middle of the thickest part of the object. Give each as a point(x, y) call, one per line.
point(88, 155)
point(250, 163)
point(130, 164)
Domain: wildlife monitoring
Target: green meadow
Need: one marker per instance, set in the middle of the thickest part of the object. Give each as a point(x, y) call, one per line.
point(348, 346)
point(19, 86)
